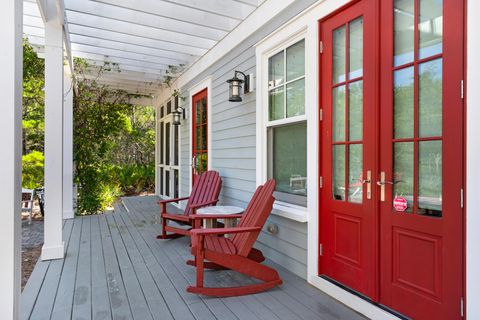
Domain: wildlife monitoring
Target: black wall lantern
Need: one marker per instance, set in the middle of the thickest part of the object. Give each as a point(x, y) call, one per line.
point(236, 86)
point(178, 113)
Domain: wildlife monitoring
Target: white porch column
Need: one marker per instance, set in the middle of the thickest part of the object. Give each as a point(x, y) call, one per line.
point(473, 161)
point(53, 242)
point(10, 156)
point(67, 146)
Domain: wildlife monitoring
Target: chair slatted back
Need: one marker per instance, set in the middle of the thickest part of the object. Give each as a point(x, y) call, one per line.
point(255, 215)
point(205, 188)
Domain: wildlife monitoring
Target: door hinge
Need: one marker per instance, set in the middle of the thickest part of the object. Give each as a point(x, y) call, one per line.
point(321, 182)
point(461, 198)
point(461, 89)
point(462, 306)
point(321, 249)
point(321, 115)
point(321, 46)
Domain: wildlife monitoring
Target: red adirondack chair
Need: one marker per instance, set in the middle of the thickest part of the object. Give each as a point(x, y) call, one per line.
point(205, 191)
point(234, 253)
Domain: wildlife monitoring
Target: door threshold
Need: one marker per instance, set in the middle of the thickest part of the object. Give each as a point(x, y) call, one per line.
point(364, 297)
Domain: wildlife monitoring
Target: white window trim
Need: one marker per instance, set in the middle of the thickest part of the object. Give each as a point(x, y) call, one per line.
point(199, 86)
point(264, 51)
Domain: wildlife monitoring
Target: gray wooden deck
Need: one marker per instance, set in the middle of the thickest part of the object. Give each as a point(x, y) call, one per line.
point(115, 269)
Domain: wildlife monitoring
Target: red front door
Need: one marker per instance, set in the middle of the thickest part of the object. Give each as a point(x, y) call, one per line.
point(199, 133)
point(400, 138)
point(348, 219)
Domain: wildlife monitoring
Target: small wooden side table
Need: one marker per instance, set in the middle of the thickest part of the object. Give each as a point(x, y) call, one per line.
point(220, 210)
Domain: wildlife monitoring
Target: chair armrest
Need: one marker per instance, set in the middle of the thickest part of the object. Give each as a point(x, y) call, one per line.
point(218, 231)
point(172, 200)
point(213, 216)
point(203, 204)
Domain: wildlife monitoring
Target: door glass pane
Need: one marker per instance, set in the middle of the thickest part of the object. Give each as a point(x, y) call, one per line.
point(355, 111)
point(430, 98)
point(203, 146)
point(355, 48)
point(430, 28)
point(204, 110)
point(430, 178)
point(175, 183)
point(162, 141)
point(339, 55)
point(296, 60)
point(338, 101)
point(404, 30)
point(198, 137)
point(338, 179)
point(175, 148)
point(403, 93)
point(275, 70)
point(355, 169)
point(169, 107)
point(288, 159)
point(167, 183)
point(161, 181)
point(167, 143)
point(275, 104)
point(296, 98)
point(162, 112)
point(202, 162)
point(403, 172)
point(198, 112)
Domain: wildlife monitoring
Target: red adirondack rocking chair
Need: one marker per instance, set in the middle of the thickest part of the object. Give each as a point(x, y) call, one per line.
point(205, 191)
point(234, 253)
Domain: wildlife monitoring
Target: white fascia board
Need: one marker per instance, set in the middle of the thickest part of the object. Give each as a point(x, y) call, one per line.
point(258, 18)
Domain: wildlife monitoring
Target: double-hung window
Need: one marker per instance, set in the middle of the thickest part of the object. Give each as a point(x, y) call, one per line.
point(286, 124)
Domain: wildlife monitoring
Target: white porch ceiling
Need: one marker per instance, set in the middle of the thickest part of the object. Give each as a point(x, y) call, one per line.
point(144, 37)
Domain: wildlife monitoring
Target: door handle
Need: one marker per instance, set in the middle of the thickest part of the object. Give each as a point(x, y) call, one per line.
point(368, 181)
point(382, 183)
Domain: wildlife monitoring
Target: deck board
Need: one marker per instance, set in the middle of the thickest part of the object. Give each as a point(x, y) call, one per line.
point(115, 268)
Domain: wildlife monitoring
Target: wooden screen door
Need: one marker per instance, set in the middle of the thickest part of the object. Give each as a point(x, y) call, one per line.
point(411, 140)
point(199, 133)
point(347, 220)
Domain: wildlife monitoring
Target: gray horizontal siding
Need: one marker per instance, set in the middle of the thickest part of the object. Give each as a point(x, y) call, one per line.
point(233, 146)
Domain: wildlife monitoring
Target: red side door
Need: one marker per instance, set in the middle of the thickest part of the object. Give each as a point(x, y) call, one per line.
point(199, 133)
point(348, 227)
point(421, 158)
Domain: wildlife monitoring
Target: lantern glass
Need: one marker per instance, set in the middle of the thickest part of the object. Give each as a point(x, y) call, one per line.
point(177, 113)
point(235, 87)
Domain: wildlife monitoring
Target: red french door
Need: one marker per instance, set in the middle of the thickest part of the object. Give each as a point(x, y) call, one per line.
point(199, 133)
point(421, 158)
point(348, 221)
point(392, 150)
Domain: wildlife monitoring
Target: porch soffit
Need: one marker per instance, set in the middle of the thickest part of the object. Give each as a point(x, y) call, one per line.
point(144, 37)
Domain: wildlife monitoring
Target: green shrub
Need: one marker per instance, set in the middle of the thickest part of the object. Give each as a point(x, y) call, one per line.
point(32, 170)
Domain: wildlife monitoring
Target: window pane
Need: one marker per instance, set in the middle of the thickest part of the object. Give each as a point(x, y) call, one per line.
point(355, 170)
point(161, 181)
point(198, 140)
point(275, 70)
point(403, 103)
point(338, 97)
point(296, 98)
point(203, 144)
point(167, 143)
point(175, 184)
point(403, 172)
point(355, 111)
point(204, 110)
point(175, 142)
point(296, 60)
point(339, 55)
point(275, 104)
point(198, 112)
point(167, 183)
point(169, 107)
point(338, 180)
point(288, 145)
point(162, 112)
point(355, 48)
point(430, 178)
point(162, 141)
point(404, 30)
point(430, 28)
point(430, 98)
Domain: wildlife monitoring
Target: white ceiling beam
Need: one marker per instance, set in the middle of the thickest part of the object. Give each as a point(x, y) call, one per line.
point(133, 48)
point(131, 62)
point(165, 26)
point(42, 7)
point(252, 3)
point(230, 9)
point(130, 85)
point(127, 67)
point(116, 78)
point(178, 12)
point(127, 74)
point(123, 54)
point(128, 38)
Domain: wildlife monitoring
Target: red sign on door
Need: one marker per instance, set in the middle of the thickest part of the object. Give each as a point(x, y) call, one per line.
point(400, 204)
